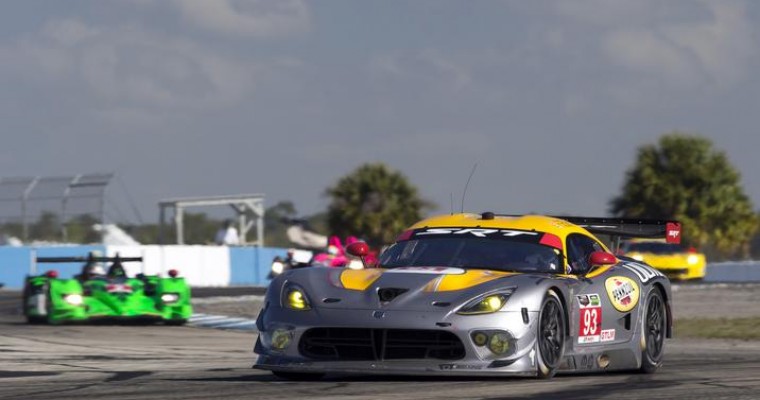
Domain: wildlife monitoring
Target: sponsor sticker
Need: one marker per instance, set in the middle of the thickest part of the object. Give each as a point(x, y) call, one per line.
point(449, 367)
point(673, 232)
point(589, 300)
point(590, 325)
point(477, 232)
point(607, 335)
point(623, 292)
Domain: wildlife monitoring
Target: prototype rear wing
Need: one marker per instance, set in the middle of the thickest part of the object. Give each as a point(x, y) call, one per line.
point(90, 258)
point(86, 259)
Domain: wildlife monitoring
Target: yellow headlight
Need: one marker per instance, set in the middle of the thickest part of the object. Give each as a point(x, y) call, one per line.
point(492, 303)
point(692, 259)
point(297, 300)
point(486, 305)
point(637, 257)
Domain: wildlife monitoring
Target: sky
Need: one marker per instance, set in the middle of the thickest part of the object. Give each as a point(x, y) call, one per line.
point(550, 99)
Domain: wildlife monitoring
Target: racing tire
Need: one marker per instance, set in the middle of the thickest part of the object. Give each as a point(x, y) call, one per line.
point(298, 376)
point(653, 332)
point(550, 336)
point(34, 319)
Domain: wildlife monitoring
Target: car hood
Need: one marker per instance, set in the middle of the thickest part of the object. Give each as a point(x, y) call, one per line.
point(405, 288)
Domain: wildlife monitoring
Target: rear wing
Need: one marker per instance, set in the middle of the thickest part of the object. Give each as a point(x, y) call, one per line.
point(627, 227)
point(88, 259)
point(618, 228)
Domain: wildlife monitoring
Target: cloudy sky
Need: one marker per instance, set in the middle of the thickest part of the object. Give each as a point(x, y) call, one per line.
point(550, 98)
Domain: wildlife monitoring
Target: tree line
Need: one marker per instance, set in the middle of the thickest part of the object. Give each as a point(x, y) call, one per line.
point(681, 177)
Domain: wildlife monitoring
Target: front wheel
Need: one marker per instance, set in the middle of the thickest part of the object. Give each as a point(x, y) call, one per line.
point(550, 338)
point(654, 327)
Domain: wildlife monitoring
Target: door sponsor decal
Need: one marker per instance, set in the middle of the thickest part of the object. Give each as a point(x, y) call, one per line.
point(623, 292)
point(590, 326)
point(643, 272)
point(608, 335)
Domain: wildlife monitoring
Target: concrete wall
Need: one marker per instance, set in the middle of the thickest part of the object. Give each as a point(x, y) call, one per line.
point(206, 266)
point(15, 262)
point(201, 265)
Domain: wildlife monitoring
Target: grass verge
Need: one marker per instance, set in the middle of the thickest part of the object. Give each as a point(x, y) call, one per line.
point(718, 328)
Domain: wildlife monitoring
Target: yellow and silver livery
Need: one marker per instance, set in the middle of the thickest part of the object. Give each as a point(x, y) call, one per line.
point(474, 294)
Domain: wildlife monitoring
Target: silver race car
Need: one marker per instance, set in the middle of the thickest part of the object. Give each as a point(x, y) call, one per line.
point(475, 294)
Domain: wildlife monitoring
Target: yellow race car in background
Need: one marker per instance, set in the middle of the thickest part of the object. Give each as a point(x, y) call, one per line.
point(674, 260)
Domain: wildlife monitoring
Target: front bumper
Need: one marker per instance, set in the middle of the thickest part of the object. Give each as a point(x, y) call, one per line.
point(477, 360)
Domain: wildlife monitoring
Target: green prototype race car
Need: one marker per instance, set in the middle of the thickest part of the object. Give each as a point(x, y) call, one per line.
point(96, 295)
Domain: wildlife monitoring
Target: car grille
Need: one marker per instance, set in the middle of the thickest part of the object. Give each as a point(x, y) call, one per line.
point(360, 344)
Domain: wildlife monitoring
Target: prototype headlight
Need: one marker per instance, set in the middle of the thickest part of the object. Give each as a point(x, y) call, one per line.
point(169, 298)
point(486, 304)
point(73, 299)
point(692, 259)
point(296, 299)
point(277, 267)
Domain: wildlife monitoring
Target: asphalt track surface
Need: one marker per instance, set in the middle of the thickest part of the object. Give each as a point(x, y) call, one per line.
point(150, 362)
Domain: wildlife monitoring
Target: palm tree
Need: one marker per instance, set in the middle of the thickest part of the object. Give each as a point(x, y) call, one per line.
point(684, 177)
point(375, 203)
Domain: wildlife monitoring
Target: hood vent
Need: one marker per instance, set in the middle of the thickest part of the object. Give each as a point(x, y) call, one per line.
point(388, 294)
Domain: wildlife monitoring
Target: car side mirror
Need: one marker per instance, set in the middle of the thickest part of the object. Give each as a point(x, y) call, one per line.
point(598, 258)
point(358, 249)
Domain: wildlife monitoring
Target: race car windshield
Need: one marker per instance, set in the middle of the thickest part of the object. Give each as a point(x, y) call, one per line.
point(472, 252)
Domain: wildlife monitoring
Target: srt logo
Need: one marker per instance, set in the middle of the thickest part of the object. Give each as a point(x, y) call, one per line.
point(378, 314)
point(474, 231)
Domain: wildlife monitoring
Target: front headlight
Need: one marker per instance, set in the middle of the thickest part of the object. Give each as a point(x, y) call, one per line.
point(692, 259)
point(486, 304)
point(169, 298)
point(637, 257)
point(296, 299)
point(277, 267)
point(73, 299)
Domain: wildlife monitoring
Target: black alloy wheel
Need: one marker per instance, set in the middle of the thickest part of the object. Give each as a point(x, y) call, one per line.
point(551, 336)
point(655, 320)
